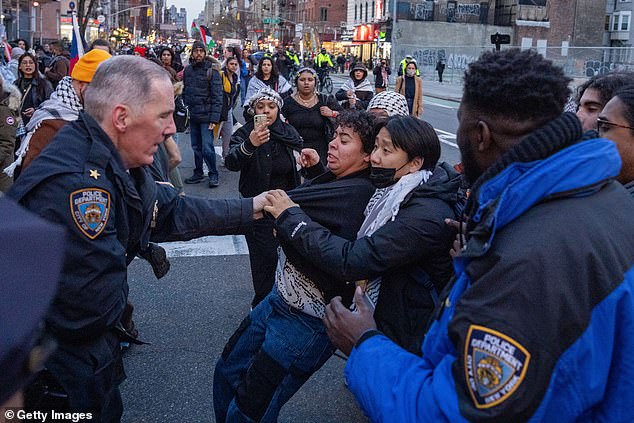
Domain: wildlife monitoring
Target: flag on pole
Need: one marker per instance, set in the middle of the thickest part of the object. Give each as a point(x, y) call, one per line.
point(193, 28)
point(205, 34)
point(77, 45)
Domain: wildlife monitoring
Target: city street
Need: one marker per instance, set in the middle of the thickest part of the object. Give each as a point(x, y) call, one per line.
point(189, 315)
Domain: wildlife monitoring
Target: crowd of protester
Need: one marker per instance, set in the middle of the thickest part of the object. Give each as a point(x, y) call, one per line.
point(501, 292)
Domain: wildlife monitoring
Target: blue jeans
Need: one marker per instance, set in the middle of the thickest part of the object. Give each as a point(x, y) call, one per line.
point(203, 145)
point(273, 352)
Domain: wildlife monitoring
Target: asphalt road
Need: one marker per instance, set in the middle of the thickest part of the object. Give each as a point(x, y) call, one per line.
point(189, 314)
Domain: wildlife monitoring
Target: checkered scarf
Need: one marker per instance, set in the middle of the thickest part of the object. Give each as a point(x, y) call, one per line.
point(265, 93)
point(392, 102)
point(64, 104)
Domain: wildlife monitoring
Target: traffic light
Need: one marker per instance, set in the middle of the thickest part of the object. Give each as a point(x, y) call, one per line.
point(149, 12)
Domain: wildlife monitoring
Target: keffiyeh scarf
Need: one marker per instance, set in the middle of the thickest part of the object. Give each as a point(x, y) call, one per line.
point(382, 208)
point(390, 101)
point(63, 104)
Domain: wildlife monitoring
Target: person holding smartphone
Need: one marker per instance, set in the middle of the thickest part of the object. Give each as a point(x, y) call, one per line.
point(264, 151)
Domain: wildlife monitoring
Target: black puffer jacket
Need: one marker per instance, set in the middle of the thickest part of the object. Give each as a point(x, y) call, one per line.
point(203, 92)
point(410, 254)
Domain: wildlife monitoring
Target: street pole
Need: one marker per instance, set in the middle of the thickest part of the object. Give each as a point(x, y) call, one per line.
point(393, 49)
point(18, 21)
point(32, 23)
point(41, 16)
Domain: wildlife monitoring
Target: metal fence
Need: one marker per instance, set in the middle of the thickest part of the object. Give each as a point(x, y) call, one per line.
point(579, 63)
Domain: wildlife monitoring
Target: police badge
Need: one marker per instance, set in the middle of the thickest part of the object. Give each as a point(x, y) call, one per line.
point(90, 208)
point(495, 366)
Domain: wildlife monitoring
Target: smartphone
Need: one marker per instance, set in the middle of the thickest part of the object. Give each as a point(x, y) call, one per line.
point(259, 120)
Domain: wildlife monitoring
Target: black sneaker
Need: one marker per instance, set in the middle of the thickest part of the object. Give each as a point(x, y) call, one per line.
point(213, 181)
point(194, 179)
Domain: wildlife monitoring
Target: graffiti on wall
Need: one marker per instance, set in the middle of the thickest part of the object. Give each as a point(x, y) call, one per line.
point(461, 9)
point(430, 56)
point(468, 9)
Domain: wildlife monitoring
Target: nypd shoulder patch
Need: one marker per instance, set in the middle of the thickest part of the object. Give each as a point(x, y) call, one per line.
point(90, 208)
point(495, 366)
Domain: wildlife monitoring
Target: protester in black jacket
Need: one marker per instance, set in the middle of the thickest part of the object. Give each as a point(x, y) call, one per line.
point(264, 156)
point(203, 95)
point(402, 249)
point(381, 73)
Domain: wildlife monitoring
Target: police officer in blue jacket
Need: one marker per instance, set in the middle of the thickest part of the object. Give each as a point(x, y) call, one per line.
point(92, 180)
point(537, 324)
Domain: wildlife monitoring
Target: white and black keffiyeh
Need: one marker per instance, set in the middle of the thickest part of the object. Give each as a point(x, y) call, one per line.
point(364, 85)
point(265, 93)
point(393, 103)
point(382, 208)
point(63, 104)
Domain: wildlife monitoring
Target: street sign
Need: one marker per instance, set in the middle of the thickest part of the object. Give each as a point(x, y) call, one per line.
point(271, 20)
point(101, 19)
point(498, 39)
point(71, 5)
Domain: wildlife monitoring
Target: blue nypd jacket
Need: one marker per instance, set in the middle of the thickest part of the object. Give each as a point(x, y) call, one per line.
point(79, 182)
point(539, 322)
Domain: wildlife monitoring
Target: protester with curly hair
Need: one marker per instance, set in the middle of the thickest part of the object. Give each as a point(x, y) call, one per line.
point(283, 340)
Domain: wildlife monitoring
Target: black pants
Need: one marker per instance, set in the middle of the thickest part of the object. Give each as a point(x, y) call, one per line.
point(263, 257)
point(89, 374)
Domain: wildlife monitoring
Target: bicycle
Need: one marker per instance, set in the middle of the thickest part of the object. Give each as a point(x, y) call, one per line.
point(293, 75)
point(325, 82)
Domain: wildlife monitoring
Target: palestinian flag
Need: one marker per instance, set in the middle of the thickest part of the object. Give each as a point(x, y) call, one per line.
point(206, 37)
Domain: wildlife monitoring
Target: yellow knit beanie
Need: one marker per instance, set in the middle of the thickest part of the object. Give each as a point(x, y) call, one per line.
point(86, 67)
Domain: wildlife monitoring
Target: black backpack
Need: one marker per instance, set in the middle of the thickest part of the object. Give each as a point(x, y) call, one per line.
point(181, 114)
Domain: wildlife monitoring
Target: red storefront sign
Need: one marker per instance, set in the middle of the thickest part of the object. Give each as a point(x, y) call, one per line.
point(368, 32)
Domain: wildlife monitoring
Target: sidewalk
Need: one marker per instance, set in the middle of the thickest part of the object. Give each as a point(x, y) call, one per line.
point(450, 91)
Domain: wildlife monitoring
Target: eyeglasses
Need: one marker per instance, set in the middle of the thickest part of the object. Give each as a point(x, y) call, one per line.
point(604, 125)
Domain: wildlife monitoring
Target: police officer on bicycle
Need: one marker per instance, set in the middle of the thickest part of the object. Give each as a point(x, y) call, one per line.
point(322, 64)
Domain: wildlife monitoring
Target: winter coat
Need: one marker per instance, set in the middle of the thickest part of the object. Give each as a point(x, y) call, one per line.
point(255, 163)
point(230, 91)
point(410, 254)
point(109, 213)
point(417, 110)
point(537, 325)
point(9, 120)
point(203, 91)
point(58, 68)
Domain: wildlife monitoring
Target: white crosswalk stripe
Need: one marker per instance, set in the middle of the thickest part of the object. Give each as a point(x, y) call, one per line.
point(230, 245)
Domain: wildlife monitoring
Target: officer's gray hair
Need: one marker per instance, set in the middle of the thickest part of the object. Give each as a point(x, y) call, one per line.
point(122, 80)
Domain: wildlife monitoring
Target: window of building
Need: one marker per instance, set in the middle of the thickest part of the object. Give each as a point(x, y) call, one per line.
point(373, 10)
point(366, 11)
point(323, 14)
point(533, 2)
point(621, 21)
point(625, 21)
point(607, 22)
point(615, 22)
point(355, 12)
point(361, 11)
